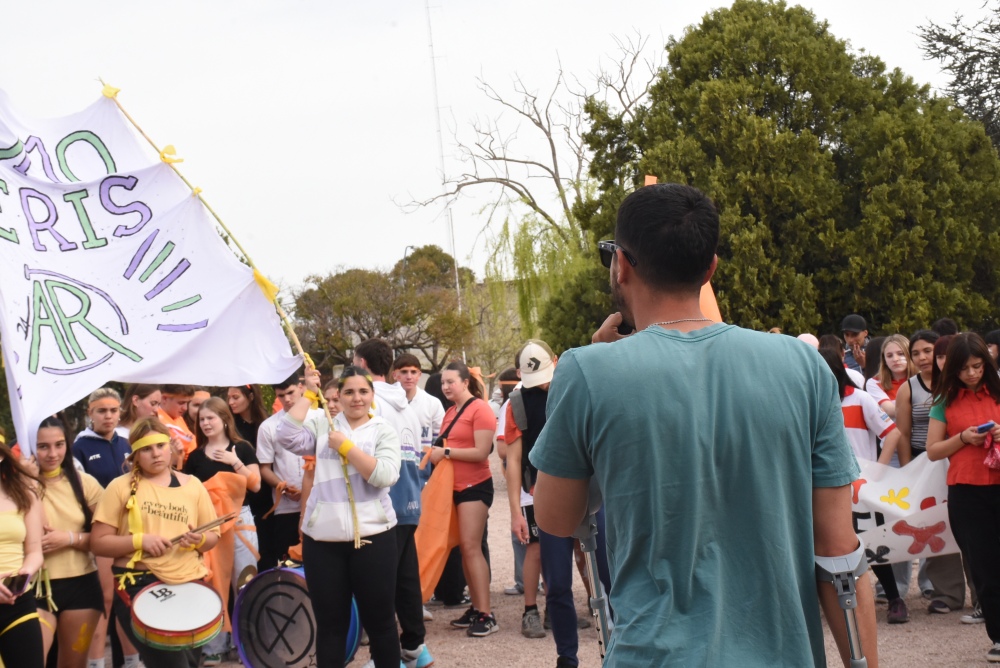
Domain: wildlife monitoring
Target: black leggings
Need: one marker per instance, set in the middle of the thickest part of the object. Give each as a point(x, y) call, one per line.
point(887, 579)
point(21, 645)
point(974, 513)
point(334, 572)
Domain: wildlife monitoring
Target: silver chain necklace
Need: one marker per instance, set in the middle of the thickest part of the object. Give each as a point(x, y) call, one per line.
point(674, 322)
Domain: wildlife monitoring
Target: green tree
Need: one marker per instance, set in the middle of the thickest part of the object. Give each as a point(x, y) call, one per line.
point(970, 53)
point(413, 312)
point(842, 187)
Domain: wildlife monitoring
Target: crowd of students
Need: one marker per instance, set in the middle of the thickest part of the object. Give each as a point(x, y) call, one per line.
point(934, 393)
point(91, 520)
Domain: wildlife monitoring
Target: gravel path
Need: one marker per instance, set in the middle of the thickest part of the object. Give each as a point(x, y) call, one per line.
point(928, 640)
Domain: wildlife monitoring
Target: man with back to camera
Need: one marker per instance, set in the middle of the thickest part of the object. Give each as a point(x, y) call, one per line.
point(722, 481)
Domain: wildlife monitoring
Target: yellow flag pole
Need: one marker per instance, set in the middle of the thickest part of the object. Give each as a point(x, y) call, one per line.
point(167, 155)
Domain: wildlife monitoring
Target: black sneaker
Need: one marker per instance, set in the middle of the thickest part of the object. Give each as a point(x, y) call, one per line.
point(467, 619)
point(465, 600)
point(993, 656)
point(483, 626)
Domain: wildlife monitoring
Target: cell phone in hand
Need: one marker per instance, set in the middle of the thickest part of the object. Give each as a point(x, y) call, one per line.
point(983, 428)
point(16, 584)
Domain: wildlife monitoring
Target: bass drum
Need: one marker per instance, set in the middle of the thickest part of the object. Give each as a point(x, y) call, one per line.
point(274, 625)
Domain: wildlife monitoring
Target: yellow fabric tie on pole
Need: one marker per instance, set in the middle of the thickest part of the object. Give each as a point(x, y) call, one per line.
point(296, 343)
point(110, 91)
point(168, 153)
point(269, 289)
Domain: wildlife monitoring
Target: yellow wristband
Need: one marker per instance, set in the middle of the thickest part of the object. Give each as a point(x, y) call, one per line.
point(137, 541)
point(312, 397)
point(202, 541)
point(345, 447)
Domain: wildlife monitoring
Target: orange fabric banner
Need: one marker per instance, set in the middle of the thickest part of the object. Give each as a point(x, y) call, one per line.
point(437, 532)
point(226, 491)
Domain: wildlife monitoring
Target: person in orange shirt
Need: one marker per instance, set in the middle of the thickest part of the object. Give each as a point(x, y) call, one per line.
point(173, 406)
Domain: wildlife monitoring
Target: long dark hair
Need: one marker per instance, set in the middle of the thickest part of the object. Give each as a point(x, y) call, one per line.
point(254, 397)
point(69, 470)
point(839, 372)
point(940, 348)
point(16, 481)
point(475, 387)
point(433, 388)
point(873, 357)
point(961, 348)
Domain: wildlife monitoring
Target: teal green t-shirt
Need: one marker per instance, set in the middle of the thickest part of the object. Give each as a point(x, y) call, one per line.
point(707, 446)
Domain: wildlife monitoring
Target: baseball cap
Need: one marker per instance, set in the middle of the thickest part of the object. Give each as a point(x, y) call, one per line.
point(537, 364)
point(853, 323)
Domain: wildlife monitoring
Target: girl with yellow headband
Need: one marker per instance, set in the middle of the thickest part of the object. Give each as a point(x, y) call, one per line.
point(135, 521)
point(70, 600)
point(20, 559)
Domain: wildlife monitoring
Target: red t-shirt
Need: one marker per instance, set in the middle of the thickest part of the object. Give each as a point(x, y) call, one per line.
point(965, 467)
point(478, 416)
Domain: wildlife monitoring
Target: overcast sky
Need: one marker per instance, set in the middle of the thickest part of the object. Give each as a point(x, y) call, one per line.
point(306, 122)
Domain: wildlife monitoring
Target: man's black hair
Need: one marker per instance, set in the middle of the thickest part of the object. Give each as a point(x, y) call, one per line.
point(672, 231)
point(945, 326)
point(993, 338)
point(377, 355)
point(294, 379)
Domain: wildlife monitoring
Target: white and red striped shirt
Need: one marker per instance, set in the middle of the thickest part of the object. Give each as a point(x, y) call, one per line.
point(864, 421)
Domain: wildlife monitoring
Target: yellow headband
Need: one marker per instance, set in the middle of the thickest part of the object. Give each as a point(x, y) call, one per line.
point(150, 439)
point(3, 440)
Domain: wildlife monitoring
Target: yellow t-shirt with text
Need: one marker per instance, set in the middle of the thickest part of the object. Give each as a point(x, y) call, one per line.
point(167, 512)
point(63, 513)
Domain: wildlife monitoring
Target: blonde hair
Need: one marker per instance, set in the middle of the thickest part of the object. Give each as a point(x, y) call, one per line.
point(104, 393)
point(884, 373)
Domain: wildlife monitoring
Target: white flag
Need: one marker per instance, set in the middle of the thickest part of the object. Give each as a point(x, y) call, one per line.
point(902, 514)
point(110, 269)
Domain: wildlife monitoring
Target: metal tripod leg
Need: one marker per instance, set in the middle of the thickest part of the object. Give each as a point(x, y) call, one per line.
point(587, 535)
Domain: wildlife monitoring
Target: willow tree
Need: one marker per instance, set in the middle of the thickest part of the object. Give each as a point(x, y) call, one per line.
point(529, 163)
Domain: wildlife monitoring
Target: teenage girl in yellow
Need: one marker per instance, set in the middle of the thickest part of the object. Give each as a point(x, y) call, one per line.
point(69, 594)
point(20, 559)
point(137, 517)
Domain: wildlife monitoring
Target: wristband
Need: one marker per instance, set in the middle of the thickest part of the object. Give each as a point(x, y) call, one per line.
point(202, 541)
point(137, 541)
point(345, 447)
point(312, 397)
point(961, 437)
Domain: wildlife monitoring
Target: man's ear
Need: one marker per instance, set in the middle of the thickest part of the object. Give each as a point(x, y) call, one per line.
point(711, 269)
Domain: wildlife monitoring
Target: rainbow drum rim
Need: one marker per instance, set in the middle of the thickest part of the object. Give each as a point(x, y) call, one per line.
point(275, 602)
point(176, 639)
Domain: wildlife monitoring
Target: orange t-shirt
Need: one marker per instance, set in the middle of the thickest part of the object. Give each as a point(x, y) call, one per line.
point(477, 417)
point(179, 429)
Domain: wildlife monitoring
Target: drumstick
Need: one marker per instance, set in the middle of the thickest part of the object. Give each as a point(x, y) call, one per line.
point(206, 527)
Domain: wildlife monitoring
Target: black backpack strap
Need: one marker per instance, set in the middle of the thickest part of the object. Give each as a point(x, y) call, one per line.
point(517, 409)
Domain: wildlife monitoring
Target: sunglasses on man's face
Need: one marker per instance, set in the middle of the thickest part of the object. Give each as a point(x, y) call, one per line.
point(607, 251)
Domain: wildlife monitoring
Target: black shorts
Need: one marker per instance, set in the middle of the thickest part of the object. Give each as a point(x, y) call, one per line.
point(82, 592)
point(529, 516)
point(482, 491)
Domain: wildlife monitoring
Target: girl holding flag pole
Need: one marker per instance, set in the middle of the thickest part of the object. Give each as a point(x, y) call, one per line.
point(349, 542)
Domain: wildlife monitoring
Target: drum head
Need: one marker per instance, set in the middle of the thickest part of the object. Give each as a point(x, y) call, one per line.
point(274, 626)
point(177, 608)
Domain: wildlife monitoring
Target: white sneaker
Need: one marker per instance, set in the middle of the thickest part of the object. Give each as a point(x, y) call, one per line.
point(993, 656)
point(428, 617)
point(975, 618)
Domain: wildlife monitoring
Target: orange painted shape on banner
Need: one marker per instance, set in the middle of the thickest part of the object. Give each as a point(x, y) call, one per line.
point(650, 180)
point(709, 307)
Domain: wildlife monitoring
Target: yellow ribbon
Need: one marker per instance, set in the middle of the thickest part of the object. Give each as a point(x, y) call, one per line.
point(43, 589)
point(312, 397)
point(110, 91)
point(195, 192)
point(150, 439)
point(134, 528)
point(269, 289)
point(127, 575)
point(168, 153)
point(20, 620)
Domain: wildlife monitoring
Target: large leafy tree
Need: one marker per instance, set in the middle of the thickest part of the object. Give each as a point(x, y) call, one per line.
point(414, 308)
point(842, 187)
